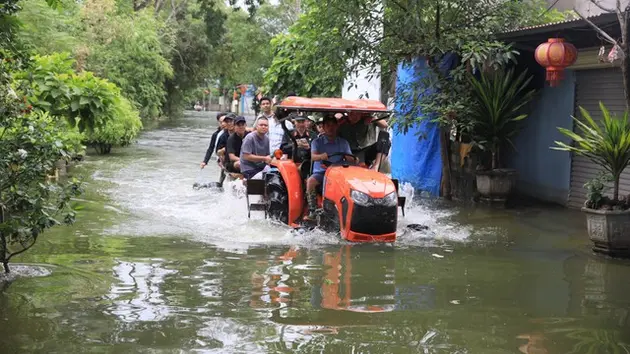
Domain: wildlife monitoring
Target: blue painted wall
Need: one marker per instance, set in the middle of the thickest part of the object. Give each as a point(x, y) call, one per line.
point(545, 173)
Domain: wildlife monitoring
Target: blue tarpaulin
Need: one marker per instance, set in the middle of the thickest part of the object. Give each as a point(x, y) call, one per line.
point(415, 155)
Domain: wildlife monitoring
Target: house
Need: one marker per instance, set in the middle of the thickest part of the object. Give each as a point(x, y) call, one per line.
point(559, 176)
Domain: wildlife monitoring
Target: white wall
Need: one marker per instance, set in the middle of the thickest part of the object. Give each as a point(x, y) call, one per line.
point(365, 88)
point(586, 7)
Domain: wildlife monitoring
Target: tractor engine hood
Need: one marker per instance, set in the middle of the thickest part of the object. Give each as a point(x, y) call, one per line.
point(372, 183)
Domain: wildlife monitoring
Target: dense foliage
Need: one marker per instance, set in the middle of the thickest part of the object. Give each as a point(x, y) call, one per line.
point(32, 142)
point(82, 73)
point(310, 59)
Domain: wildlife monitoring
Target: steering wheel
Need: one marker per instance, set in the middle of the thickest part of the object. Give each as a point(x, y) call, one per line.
point(327, 163)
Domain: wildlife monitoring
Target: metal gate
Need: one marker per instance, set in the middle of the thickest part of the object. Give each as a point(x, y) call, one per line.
point(592, 86)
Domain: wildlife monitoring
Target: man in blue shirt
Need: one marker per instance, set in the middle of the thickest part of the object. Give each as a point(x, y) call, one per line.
point(321, 148)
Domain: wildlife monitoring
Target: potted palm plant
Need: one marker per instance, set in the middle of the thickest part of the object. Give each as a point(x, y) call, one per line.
point(607, 144)
point(498, 101)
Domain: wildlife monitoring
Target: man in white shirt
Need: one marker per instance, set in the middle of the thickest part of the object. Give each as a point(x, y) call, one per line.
point(275, 128)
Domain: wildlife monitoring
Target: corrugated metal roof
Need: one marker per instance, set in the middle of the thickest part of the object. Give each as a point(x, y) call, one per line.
point(552, 24)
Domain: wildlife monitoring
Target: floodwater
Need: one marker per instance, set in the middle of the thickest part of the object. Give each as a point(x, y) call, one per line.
point(153, 266)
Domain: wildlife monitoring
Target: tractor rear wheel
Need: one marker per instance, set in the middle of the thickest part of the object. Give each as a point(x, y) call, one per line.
point(278, 199)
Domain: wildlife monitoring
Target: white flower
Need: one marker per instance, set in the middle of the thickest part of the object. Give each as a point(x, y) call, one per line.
point(22, 153)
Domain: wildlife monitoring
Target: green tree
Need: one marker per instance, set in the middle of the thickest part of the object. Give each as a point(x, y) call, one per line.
point(128, 51)
point(408, 29)
point(30, 145)
point(93, 106)
point(310, 59)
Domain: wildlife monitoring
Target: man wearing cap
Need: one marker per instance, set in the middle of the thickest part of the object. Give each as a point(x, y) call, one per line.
point(213, 140)
point(319, 126)
point(255, 155)
point(303, 137)
point(322, 147)
point(222, 141)
point(234, 143)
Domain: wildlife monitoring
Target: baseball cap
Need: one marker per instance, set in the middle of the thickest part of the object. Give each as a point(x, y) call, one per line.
point(297, 116)
point(316, 117)
point(239, 119)
point(230, 116)
point(329, 117)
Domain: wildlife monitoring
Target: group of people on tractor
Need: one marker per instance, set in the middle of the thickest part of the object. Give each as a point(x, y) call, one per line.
point(327, 137)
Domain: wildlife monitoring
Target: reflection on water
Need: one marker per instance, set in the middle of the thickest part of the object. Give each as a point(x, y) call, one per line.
point(154, 266)
point(137, 296)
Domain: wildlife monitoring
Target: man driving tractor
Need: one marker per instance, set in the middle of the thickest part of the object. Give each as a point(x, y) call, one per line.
point(322, 148)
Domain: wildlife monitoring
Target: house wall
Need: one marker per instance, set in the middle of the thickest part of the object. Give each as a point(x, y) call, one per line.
point(585, 7)
point(545, 173)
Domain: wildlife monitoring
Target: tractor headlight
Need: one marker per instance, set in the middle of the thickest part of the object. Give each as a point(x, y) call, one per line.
point(390, 200)
point(363, 199)
point(360, 198)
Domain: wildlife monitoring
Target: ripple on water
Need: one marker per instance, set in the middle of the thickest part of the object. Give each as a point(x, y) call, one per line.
point(156, 189)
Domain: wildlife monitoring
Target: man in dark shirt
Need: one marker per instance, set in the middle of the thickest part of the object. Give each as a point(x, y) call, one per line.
point(213, 140)
point(234, 143)
point(303, 135)
point(222, 141)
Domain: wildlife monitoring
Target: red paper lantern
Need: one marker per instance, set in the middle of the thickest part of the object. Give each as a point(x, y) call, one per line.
point(555, 55)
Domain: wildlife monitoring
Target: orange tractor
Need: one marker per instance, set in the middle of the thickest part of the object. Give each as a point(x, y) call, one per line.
point(360, 203)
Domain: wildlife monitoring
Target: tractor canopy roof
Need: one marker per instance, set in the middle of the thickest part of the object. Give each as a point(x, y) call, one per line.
point(328, 104)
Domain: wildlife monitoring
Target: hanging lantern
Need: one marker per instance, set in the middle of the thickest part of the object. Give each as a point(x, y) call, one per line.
point(555, 55)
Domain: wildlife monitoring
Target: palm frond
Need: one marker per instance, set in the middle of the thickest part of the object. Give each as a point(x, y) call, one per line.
point(500, 98)
point(605, 143)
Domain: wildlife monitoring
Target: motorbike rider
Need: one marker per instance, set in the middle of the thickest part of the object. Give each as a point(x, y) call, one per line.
point(322, 147)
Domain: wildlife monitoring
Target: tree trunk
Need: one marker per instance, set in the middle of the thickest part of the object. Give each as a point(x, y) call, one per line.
point(3, 246)
point(445, 185)
point(616, 187)
point(625, 48)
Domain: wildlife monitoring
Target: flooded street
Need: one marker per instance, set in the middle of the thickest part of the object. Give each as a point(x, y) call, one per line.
point(154, 266)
